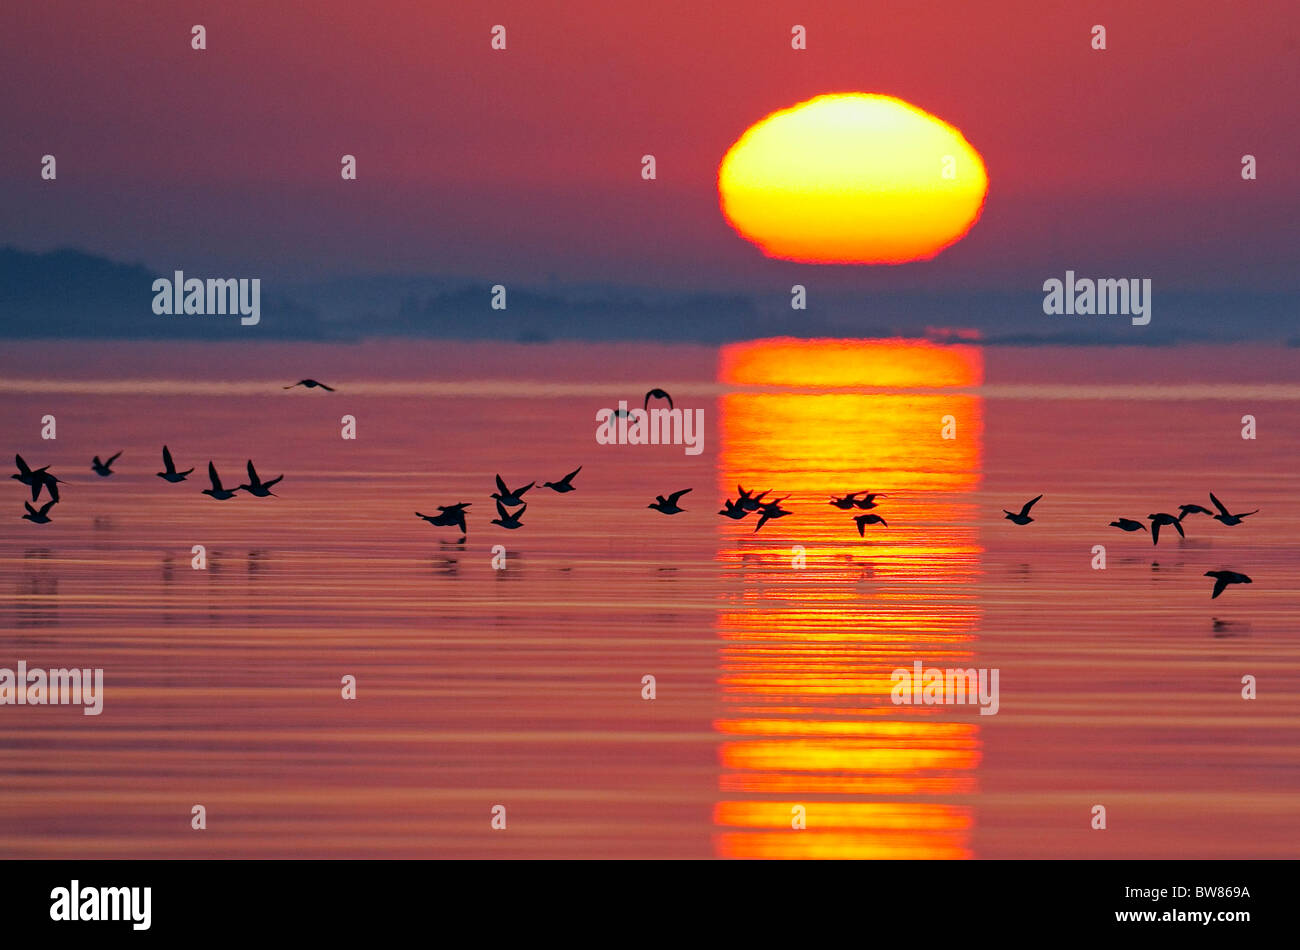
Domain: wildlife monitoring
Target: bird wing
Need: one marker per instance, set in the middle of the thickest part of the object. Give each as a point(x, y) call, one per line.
point(51, 484)
point(1218, 504)
point(328, 389)
point(862, 526)
point(28, 506)
point(670, 400)
point(762, 519)
point(96, 462)
point(111, 459)
point(168, 464)
point(672, 499)
point(22, 466)
point(252, 474)
point(1029, 504)
point(1155, 532)
point(1179, 526)
point(1220, 583)
point(501, 486)
point(46, 507)
point(501, 510)
point(519, 514)
point(272, 482)
point(882, 521)
point(568, 477)
point(212, 474)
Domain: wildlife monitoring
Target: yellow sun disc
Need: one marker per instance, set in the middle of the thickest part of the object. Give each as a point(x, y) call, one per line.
point(852, 178)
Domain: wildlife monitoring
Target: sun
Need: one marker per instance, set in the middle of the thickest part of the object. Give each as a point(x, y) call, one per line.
point(852, 178)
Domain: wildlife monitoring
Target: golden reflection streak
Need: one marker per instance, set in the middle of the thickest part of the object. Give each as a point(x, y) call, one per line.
point(802, 646)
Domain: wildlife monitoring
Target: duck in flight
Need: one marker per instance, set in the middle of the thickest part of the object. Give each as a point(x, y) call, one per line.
point(1185, 510)
point(1023, 516)
point(1223, 578)
point(657, 394)
point(1128, 524)
point(169, 469)
point(508, 520)
point(864, 520)
point(564, 484)
point(216, 491)
point(104, 469)
point(1227, 517)
point(450, 515)
point(733, 510)
point(748, 500)
point(255, 485)
point(669, 505)
point(868, 500)
point(1164, 518)
point(38, 517)
point(770, 511)
point(844, 503)
point(37, 478)
point(508, 497)
point(312, 384)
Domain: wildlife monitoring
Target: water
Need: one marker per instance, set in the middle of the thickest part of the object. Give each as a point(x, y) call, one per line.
point(523, 687)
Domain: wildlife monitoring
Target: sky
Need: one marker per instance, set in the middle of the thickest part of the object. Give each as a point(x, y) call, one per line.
point(524, 164)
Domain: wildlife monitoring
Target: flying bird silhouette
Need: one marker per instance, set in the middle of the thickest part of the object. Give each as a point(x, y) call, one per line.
point(169, 469)
point(1226, 516)
point(1223, 578)
point(255, 485)
point(657, 394)
point(452, 515)
point(864, 520)
point(1185, 510)
point(843, 503)
point(868, 499)
point(38, 517)
point(1164, 518)
point(216, 491)
point(507, 519)
point(1128, 524)
point(748, 500)
point(669, 505)
point(312, 384)
point(104, 469)
point(1023, 516)
point(37, 478)
point(564, 484)
point(771, 511)
point(732, 510)
point(508, 497)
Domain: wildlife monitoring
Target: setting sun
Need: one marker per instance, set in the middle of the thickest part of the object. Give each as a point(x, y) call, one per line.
point(852, 178)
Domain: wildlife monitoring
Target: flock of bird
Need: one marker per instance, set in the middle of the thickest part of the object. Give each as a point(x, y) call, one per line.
point(1221, 578)
point(745, 503)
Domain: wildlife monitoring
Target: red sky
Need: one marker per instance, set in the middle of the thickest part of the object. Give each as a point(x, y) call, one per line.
point(525, 164)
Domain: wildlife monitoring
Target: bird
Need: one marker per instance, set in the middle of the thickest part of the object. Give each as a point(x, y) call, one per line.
point(169, 468)
point(733, 510)
point(1164, 518)
point(312, 384)
point(103, 469)
point(37, 478)
point(748, 500)
point(451, 515)
point(508, 497)
point(844, 503)
point(1023, 517)
point(255, 485)
point(657, 394)
point(1223, 578)
point(1185, 510)
point(508, 520)
point(770, 511)
point(38, 517)
point(869, 500)
point(669, 505)
point(864, 520)
point(564, 484)
point(1128, 524)
point(216, 491)
point(1226, 516)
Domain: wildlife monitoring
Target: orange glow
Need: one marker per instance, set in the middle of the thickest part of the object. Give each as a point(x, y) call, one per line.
point(852, 178)
point(850, 363)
